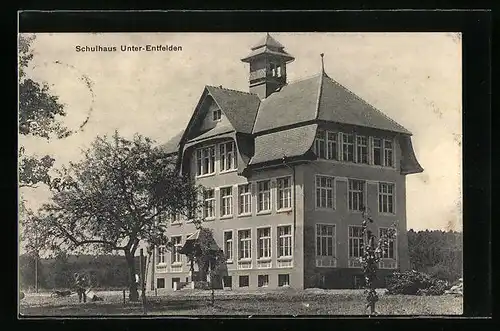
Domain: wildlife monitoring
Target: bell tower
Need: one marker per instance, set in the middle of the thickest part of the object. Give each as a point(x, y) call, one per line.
point(268, 61)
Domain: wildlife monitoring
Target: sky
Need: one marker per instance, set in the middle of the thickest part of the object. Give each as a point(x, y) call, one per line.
point(414, 78)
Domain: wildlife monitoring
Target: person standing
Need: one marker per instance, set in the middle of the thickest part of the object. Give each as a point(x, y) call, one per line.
point(80, 287)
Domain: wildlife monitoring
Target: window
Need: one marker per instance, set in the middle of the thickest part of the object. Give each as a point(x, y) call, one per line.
point(263, 280)
point(387, 153)
point(205, 161)
point(332, 146)
point(356, 195)
point(264, 196)
point(355, 241)
point(244, 281)
point(283, 280)
point(377, 151)
point(161, 255)
point(160, 282)
point(319, 144)
point(226, 197)
point(228, 245)
point(386, 198)
point(325, 235)
point(278, 71)
point(176, 280)
point(359, 281)
point(264, 243)
point(209, 203)
point(216, 114)
point(174, 218)
point(244, 199)
point(227, 281)
point(245, 244)
point(324, 192)
point(285, 241)
point(284, 193)
point(176, 243)
point(390, 251)
point(227, 156)
point(362, 149)
point(348, 147)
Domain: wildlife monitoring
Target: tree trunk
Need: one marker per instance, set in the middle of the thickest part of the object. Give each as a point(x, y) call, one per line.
point(133, 293)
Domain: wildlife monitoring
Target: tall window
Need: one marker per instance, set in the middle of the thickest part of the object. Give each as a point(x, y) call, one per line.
point(245, 244)
point(208, 204)
point(226, 201)
point(325, 235)
point(285, 241)
point(161, 255)
point(355, 241)
point(324, 192)
point(244, 199)
point(377, 151)
point(387, 153)
point(362, 149)
point(264, 196)
point(332, 145)
point(319, 144)
point(390, 251)
point(205, 161)
point(227, 156)
point(176, 243)
point(348, 147)
point(216, 114)
point(264, 243)
point(356, 194)
point(228, 245)
point(386, 198)
point(284, 193)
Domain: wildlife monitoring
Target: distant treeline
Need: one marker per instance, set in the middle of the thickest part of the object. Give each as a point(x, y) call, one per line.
point(437, 253)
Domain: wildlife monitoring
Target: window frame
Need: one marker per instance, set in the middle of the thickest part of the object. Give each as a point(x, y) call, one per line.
point(223, 198)
point(225, 156)
point(360, 242)
point(334, 240)
point(213, 201)
point(334, 192)
point(393, 241)
point(319, 138)
point(241, 198)
point(287, 283)
point(266, 283)
point(329, 143)
point(268, 191)
point(269, 240)
point(365, 146)
point(379, 194)
point(385, 149)
point(364, 200)
point(161, 253)
point(279, 190)
point(200, 160)
point(175, 253)
point(217, 118)
point(250, 248)
point(285, 236)
point(352, 144)
point(231, 259)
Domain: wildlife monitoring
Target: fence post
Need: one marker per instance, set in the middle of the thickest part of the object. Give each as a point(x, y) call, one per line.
point(124, 296)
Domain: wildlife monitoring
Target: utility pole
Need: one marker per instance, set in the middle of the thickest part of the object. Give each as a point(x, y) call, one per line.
point(36, 272)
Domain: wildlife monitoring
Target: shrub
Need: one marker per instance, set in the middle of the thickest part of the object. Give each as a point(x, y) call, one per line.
point(444, 272)
point(415, 283)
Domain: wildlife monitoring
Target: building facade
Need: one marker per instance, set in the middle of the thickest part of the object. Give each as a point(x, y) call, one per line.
point(287, 170)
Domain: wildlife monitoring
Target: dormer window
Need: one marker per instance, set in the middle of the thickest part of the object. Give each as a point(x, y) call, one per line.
point(216, 115)
point(276, 70)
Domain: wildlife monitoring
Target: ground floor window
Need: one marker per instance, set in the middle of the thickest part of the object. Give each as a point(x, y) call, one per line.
point(160, 282)
point(175, 280)
point(359, 281)
point(244, 281)
point(283, 280)
point(263, 280)
point(227, 281)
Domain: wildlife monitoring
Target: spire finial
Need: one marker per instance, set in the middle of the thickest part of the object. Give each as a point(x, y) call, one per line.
point(322, 63)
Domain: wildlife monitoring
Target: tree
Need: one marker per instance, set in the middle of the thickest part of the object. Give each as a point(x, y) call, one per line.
point(117, 196)
point(372, 253)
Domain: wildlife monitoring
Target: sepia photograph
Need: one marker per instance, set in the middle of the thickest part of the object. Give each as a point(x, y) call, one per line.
point(273, 174)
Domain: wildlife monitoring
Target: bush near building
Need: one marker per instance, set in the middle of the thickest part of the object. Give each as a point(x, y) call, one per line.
point(415, 283)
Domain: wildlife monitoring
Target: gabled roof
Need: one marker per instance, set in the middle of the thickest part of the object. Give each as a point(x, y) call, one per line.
point(287, 143)
point(320, 98)
point(268, 41)
point(172, 146)
point(239, 107)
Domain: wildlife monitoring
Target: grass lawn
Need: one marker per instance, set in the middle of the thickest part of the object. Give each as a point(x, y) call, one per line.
point(282, 302)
